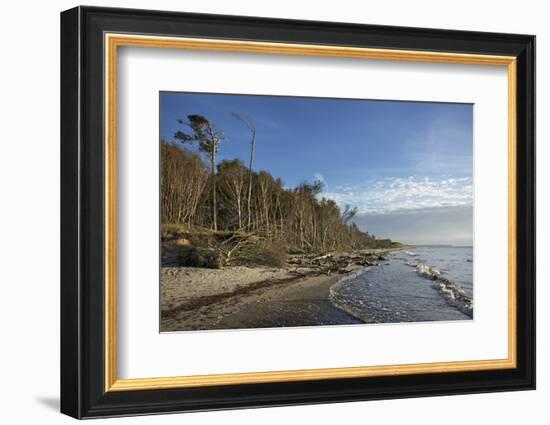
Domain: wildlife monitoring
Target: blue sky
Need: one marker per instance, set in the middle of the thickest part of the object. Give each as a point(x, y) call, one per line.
point(393, 160)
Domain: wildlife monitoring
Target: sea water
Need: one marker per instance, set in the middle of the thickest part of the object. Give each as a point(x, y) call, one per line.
point(396, 291)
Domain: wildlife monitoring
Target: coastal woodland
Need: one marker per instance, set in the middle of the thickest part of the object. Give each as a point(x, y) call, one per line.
point(216, 213)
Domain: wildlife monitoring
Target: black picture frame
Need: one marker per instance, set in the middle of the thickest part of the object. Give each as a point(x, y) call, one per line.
point(83, 392)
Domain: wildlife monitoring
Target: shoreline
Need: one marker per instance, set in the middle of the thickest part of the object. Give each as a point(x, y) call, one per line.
point(240, 297)
point(283, 301)
point(309, 291)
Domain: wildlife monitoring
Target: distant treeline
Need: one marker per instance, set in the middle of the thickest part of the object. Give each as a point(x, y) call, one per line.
point(230, 196)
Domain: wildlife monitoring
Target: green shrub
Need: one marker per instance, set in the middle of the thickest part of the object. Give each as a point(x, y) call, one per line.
point(263, 253)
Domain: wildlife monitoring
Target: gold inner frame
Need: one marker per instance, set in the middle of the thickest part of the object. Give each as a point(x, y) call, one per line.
point(113, 41)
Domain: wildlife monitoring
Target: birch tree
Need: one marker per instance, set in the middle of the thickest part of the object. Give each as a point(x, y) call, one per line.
point(232, 185)
point(208, 137)
point(252, 128)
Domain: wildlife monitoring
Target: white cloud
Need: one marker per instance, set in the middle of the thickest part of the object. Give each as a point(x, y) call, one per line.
point(404, 194)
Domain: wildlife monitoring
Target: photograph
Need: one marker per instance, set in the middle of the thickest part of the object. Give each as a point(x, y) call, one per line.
point(287, 211)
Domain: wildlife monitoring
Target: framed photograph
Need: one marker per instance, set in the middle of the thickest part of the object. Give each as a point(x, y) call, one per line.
point(261, 212)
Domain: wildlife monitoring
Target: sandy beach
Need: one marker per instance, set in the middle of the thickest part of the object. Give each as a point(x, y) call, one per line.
point(330, 289)
point(243, 297)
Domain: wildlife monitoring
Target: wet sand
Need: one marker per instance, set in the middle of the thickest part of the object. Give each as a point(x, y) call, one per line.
point(280, 299)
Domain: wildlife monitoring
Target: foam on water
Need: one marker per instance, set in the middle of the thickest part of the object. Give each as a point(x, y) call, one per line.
point(435, 285)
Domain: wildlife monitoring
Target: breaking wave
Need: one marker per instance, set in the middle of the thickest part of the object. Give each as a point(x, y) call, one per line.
point(454, 294)
point(393, 293)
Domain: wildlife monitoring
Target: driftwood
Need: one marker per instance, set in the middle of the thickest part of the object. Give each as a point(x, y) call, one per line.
point(232, 244)
point(332, 263)
point(222, 248)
